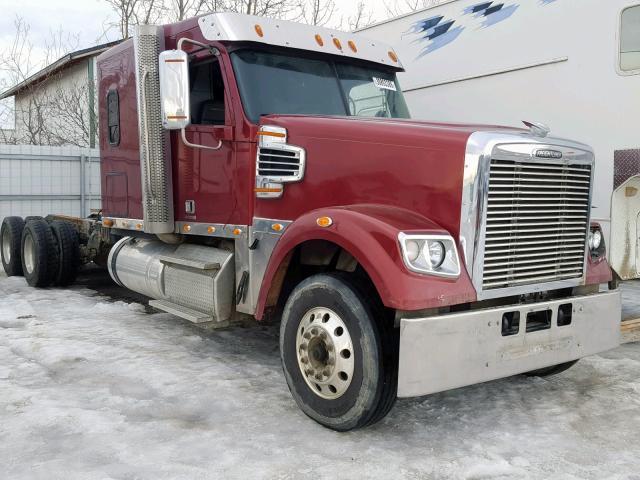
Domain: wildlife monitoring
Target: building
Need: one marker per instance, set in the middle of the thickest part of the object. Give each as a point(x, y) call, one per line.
point(57, 105)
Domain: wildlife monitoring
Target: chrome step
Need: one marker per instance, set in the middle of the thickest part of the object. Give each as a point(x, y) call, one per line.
point(189, 314)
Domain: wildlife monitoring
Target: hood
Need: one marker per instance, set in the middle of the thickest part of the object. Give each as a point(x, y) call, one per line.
point(408, 164)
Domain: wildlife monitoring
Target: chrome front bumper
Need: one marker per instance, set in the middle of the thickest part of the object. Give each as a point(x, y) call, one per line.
point(455, 350)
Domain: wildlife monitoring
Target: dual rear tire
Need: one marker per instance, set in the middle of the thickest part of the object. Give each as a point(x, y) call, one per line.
point(44, 253)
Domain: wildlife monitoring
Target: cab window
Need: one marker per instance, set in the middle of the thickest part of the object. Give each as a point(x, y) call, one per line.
point(630, 39)
point(207, 93)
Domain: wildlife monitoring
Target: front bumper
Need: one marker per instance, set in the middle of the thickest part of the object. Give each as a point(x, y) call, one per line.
point(455, 350)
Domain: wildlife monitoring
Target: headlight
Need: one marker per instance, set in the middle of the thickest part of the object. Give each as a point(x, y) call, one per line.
point(430, 254)
point(597, 248)
point(595, 240)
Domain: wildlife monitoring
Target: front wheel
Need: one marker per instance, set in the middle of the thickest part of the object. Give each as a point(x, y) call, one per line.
point(339, 353)
point(553, 370)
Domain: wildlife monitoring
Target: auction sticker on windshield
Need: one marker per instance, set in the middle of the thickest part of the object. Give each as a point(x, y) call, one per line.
point(384, 84)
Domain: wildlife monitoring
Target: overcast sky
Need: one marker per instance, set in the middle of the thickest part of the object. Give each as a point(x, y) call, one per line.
point(88, 19)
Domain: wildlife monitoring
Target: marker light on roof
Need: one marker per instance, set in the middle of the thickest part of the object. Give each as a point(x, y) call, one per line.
point(393, 56)
point(259, 30)
point(319, 40)
point(352, 46)
point(337, 43)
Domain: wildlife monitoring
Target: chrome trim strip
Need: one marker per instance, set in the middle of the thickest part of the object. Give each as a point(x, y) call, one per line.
point(134, 224)
point(481, 148)
point(220, 230)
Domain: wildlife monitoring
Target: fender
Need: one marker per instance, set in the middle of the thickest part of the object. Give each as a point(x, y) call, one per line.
point(370, 234)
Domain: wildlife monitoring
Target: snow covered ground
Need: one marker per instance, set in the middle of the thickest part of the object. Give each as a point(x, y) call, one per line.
point(96, 388)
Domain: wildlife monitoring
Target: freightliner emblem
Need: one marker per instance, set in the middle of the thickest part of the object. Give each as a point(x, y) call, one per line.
point(548, 154)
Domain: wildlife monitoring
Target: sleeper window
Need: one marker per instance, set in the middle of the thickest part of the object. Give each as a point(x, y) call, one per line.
point(113, 117)
point(630, 39)
point(207, 93)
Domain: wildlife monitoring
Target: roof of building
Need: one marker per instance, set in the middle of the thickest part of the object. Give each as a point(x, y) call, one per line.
point(57, 66)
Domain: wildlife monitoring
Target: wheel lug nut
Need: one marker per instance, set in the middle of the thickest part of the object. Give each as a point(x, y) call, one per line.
point(329, 348)
point(307, 335)
point(304, 360)
point(318, 376)
point(326, 373)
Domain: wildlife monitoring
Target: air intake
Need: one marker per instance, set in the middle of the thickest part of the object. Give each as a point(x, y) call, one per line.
point(279, 163)
point(155, 155)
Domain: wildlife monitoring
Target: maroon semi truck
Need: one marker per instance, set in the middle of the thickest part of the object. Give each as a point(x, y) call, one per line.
point(265, 168)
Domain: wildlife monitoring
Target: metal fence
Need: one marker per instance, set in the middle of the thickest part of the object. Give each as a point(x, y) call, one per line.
point(39, 180)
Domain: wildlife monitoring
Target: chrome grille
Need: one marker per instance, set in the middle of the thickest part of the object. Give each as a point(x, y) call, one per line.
point(278, 163)
point(536, 223)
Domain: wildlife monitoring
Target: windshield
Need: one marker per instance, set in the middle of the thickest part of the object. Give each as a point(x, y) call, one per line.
point(272, 83)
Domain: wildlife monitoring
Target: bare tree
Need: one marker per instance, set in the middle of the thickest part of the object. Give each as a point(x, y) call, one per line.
point(400, 7)
point(317, 12)
point(45, 112)
point(362, 17)
point(178, 10)
point(125, 11)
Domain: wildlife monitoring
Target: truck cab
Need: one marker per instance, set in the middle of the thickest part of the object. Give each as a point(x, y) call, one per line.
point(260, 167)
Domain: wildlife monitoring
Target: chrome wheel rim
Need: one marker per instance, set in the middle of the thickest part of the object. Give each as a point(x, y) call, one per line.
point(6, 246)
point(325, 353)
point(29, 253)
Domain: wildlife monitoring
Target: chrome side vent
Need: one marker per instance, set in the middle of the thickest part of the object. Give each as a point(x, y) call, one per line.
point(277, 163)
point(537, 222)
point(155, 155)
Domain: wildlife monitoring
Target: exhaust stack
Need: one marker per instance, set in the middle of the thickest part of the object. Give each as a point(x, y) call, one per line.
point(155, 149)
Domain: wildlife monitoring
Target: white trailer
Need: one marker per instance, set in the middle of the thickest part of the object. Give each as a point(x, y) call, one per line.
point(573, 65)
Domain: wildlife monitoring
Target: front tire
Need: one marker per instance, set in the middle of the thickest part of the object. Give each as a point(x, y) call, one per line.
point(339, 355)
point(10, 238)
point(553, 370)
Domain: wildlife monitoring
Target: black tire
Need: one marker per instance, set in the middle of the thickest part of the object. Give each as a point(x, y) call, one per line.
point(68, 246)
point(10, 239)
point(553, 370)
point(39, 266)
point(32, 217)
point(372, 390)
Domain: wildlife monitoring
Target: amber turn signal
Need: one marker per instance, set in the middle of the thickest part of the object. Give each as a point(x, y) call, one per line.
point(324, 222)
point(107, 222)
point(186, 228)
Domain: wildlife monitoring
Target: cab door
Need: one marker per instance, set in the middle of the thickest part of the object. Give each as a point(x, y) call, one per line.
point(204, 180)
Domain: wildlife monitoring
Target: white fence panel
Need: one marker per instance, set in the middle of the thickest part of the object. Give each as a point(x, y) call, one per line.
point(40, 180)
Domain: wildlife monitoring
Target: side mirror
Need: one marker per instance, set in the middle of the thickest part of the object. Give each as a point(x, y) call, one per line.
point(174, 89)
